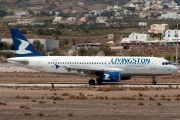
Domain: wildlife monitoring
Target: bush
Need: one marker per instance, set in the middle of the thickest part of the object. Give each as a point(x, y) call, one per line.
point(7, 54)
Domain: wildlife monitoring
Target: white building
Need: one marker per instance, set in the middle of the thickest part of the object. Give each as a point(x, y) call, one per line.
point(170, 15)
point(143, 24)
point(48, 44)
point(172, 35)
point(101, 19)
point(114, 8)
point(22, 22)
point(25, 21)
point(21, 13)
point(57, 19)
point(158, 28)
point(71, 18)
point(96, 12)
point(176, 7)
point(136, 37)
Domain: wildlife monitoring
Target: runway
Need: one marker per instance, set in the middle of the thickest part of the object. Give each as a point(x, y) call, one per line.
point(77, 84)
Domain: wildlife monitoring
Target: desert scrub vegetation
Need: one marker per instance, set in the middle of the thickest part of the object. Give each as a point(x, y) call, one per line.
point(23, 106)
point(73, 97)
point(110, 88)
point(65, 94)
point(55, 97)
point(158, 104)
point(27, 114)
point(41, 102)
point(58, 98)
point(40, 114)
point(151, 98)
point(3, 103)
point(70, 114)
point(127, 98)
point(140, 104)
point(140, 94)
point(22, 97)
point(33, 100)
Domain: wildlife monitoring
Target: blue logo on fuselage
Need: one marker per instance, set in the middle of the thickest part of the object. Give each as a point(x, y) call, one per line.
point(130, 60)
point(57, 66)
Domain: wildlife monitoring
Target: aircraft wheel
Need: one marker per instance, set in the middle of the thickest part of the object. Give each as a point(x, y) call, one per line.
point(154, 82)
point(91, 82)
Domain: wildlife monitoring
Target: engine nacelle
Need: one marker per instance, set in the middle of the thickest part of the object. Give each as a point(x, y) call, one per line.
point(110, 77)
point(125, 77)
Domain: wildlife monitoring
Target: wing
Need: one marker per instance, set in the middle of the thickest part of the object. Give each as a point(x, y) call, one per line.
point(95, 69)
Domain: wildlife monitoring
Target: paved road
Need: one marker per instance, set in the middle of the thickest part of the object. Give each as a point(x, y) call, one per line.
point(66, 84)
point(7, 65)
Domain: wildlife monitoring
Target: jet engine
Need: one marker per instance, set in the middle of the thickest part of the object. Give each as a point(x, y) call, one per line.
point(110, 77)
point(113, 77)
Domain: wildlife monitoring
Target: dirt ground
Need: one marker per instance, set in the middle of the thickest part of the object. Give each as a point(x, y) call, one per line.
point(101, 103)
point(104, 102)
point(46, 77)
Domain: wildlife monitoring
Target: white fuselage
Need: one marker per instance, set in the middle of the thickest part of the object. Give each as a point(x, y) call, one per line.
point(75, 64)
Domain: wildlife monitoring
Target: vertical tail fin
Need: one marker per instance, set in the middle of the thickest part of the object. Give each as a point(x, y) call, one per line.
point(22, 46)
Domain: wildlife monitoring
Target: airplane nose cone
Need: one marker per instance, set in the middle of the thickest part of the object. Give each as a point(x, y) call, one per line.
point(175, 69)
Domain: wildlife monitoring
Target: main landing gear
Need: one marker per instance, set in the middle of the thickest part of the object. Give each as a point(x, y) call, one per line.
point(98, 80)
point(92, 81)
point(153, 80)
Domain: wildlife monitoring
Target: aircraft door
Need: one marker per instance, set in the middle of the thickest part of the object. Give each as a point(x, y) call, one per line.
point(153, 63)
point(40, 63)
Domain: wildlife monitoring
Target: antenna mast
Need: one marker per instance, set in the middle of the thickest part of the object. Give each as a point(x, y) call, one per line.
point(177, 47)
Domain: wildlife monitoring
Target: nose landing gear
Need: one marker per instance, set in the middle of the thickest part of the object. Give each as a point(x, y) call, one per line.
point(153, 80)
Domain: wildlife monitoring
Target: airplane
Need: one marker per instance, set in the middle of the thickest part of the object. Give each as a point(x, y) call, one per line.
point(103, 68)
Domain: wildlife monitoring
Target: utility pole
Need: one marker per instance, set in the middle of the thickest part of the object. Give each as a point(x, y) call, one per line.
point(177, 47)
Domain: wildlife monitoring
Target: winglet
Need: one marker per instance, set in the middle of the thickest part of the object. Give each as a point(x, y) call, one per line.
point(22, 46)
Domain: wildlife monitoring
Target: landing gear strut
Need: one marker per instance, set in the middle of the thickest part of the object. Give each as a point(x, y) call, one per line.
point(91, 82)
point(154, 80)
point(98, 80)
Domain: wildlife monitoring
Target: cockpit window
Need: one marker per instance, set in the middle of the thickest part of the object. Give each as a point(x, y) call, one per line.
point(166, 63)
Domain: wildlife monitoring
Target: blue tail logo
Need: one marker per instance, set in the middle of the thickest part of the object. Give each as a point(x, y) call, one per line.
point(22, 46)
